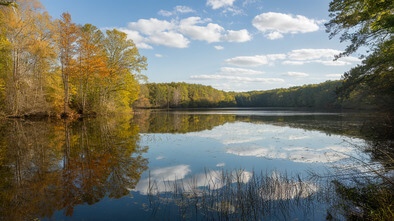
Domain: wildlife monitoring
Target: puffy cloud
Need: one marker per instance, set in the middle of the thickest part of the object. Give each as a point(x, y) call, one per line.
point(215, 4)
point(169, 39)
point(151, 26)
point(254, 61)
point(158, 55)
point(210, 33)
point(296, 74)
point(217, 77)
point(277, 24)
point(176, 33)
point(238, 36)
point(238, 71)
point(139, 41)
point(160, 32)
point(218, 47)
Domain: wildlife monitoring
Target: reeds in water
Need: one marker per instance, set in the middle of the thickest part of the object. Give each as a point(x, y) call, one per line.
point(235, 195)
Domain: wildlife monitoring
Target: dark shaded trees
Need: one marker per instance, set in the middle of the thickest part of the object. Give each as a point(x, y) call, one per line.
point(369, 25)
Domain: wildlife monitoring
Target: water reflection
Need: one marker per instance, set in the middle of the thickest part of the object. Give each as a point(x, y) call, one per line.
point(50, 166)
point(280, 142)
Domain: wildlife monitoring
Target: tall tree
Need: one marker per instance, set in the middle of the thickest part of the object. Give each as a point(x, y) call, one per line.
point(27, 51)
point(67, 34)
point(120, 88)
point(369, 24)
point(91, 60)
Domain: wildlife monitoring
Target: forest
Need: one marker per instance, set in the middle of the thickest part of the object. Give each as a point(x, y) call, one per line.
point(184, 95)
point(58, 68)
point(54, 67)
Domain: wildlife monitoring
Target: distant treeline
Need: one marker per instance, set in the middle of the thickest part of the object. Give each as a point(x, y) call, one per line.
point(183, 95)
point(163, 95)
point(313, 95)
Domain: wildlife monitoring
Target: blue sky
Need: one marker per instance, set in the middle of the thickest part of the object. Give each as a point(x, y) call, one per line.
point(233, 45)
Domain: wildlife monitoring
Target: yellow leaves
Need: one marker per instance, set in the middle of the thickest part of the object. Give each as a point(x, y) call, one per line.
point(96, 68)
point(2, 85)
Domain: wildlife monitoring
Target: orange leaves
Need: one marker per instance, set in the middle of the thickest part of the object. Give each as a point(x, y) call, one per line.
point(91, 57)
point(67, 36)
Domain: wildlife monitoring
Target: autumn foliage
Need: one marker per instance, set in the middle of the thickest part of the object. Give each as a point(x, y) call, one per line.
point(56, 67)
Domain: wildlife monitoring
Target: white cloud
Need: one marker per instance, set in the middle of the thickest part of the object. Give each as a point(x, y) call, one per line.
point(238, 36)
point(176, 33)
point(177, 9)
point(238, 71)
point(215, 4)
point(151, 26)
point(183, 9)
point(248, 61)
point(218, 47)
point(296, 154)
point(293, 62)
point(254, 61)
point(296, 74)
point(158, 55)
point(321, 56)
point(310, 54)
point(169, 39)
point(217, 77)
point(274, 35)
point(165, 13)
point(138, 40)
point(334, 76)
point(277, 24)
point(159, 32)
point(233, 11)
point(210, 33)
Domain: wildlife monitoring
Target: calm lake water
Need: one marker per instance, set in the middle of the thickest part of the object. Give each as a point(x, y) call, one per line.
point(160, 165)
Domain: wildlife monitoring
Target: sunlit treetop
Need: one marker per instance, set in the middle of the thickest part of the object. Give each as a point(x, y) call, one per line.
point(363, 23)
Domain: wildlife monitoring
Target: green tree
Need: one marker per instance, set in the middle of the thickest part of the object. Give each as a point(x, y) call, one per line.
point(120, 88)
point(370, 24)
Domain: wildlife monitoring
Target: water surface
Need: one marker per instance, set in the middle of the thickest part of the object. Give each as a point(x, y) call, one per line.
point(126, 167)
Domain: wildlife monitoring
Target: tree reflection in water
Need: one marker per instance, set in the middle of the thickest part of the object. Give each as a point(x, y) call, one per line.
point(50, 166)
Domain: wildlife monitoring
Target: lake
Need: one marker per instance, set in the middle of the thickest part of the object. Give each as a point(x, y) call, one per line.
point(191, 164)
